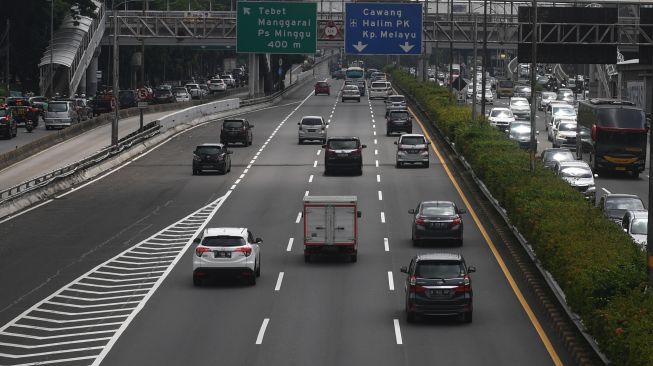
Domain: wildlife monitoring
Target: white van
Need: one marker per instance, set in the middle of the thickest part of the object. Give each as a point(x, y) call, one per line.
point(61, 113)
point(380, 89)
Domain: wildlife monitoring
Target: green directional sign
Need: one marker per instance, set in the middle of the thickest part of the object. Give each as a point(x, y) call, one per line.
point(276, 27)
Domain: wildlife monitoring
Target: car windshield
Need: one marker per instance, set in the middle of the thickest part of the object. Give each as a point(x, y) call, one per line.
point(17, 102)
point(548, 95)
point(398, 115)
point(57, 107)
point(343, 144)
point(522, 89)
point(3, 112)
point(125, 94)
point(567, 127)
point(161, 92)
point(558, 156)
point(312, 121)
point(576, 172)
point(351, 87)
point(216, 81)
point(180, 90)
point(192, 86)
point(519, 103)
point(500, 113)
point(621, 118)
point(441, 210)
point(520, 128)
point(413, 140)
point(210, 150)
point(232, 124)
point(322, 84)
point(639, 227)
point(564, 111)
point(39, 100)
point(378, 85)
point(397, 99)
point(439, 269)
point(223, 241)
point(624, 203)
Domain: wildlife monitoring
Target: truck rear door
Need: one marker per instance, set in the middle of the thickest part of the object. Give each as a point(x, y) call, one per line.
point(344, 224)
point(315, 224)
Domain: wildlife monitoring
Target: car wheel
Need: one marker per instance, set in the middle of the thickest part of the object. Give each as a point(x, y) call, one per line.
point(387, 133)
point(467, 317)
point(354, 258)
point(425, 165)
point(197, 281)
point(398, 165)
point(410, 316)
point(228, 170)
point(634, 174)
point(360, 170)
point(300, 141)
point(307, 258)
point(258, 269)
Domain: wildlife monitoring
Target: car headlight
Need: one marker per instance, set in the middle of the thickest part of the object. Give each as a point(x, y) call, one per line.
point(401, 152)
point(591, 189)
point(196, 158)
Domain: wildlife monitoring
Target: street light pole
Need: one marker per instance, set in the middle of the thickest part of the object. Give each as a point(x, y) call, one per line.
point(51, 67)
point(143, 48)
point(114, 124)
point(484, 68)
point(451, 47)
point(533, 148)
point(474, 69)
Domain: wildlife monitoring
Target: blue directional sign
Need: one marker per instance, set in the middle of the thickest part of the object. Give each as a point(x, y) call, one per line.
point(383, 28)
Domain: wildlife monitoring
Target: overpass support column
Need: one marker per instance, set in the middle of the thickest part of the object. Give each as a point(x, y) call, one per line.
point(419, 70)
point(91, 77)
point(252, 66)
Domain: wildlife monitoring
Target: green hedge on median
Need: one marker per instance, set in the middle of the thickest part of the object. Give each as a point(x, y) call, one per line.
point(597, 265)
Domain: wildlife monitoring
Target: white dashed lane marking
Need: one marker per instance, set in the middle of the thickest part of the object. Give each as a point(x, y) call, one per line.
point(261, 332)
point(391, 281)
point(386, 245)
point(289, 247)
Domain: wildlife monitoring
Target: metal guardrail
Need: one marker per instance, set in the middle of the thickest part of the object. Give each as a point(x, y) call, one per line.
point(124, 143)
point(546, 275)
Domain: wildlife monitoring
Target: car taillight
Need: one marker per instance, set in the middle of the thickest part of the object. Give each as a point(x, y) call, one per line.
point(457, 221)
point(465, 287)
point(356, 152)
point(330, 152)
point(201, 250)
point(419, 220)
point(245, 250)
point(413, 287)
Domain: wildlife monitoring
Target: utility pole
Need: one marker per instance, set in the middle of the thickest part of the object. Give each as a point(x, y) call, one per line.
point(143, 48)
point(51, 67)
point(533, 148)
point(474, 71)
point(484, 68)
point(7, 76)
point(451, 47)
point(114, 124)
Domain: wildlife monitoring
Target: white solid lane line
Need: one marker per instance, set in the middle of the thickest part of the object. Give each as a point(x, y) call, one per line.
point(386, 244)
point(310, 179)
point(299, 217)
point(382, 217)
point(279, 280)
point(380, 196)
point(378, 178)
point(289, 247)
point(397, 332)
point(261, 332)
point(606, 191)
point(391, 281)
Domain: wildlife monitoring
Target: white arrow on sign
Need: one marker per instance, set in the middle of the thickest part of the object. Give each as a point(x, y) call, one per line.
point(245, 11)
point(360, 46)
point(406, 46)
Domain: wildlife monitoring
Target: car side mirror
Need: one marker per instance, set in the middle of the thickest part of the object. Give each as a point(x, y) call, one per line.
point(462, 211)
point(258, 241)
point(595, 175)
point(625, 230)
point(324, 146)
point(404, 269)
point(299, 124)
point(197, 240)
point(411, 211)
point(359, 214)
point(471, 269)
point(363, 146)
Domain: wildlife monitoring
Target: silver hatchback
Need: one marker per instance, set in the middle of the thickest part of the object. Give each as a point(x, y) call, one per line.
point(312, 128)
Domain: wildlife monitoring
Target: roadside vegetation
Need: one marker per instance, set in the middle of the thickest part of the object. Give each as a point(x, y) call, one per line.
point(600, 269)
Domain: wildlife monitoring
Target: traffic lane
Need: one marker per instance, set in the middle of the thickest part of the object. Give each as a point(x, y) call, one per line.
point(495, 302)
point(222, 318)
point(23, 137)
point(75, 232)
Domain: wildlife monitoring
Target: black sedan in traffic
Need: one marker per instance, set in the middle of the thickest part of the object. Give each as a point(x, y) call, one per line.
point(437, 220)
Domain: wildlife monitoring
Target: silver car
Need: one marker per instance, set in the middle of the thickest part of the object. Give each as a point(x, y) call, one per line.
point(412, 148)
point(579, 175)
point(312, 128)
point(61, 113)
point(351, 92)
point(635, 223)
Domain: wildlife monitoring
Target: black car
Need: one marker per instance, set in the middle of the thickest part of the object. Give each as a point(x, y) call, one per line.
point(437, 220)
point(127, 99)
point(343, 153)
point(236, 130)
point(163, 96)
point(615, 205)
point(211, 157)
point(8, 125)
point(398, 121)
point(438, 284)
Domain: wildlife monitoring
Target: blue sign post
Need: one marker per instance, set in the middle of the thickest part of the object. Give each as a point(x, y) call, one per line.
point(383, 28)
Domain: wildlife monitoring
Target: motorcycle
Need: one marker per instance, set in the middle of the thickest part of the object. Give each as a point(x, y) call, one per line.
point(29, 125)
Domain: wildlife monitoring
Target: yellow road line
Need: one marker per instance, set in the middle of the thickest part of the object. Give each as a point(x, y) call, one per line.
point(536, 324)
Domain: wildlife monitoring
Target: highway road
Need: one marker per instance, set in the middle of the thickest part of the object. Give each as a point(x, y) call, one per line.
point(105, 270)
point(605, 183)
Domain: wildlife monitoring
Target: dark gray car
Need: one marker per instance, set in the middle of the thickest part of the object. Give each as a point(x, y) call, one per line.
point(614, 206)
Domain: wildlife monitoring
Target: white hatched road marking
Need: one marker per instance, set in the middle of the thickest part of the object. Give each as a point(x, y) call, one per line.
point(139, 270)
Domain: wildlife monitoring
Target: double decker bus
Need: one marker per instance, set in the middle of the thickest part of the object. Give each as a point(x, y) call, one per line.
point(618, 135)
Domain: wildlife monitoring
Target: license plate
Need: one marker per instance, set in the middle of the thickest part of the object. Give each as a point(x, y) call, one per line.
point(620, 168)
point(438, 292)
point(312, 130)
point(438, 225)
point(343, 155)
point(222, 255)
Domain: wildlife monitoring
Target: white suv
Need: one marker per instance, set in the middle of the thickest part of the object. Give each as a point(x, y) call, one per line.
point(312, 128)
point(412, 148)
point(224, 251)
point(380, 89)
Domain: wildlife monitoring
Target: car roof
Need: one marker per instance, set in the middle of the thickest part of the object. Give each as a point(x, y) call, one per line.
point(320, 117)
point(518, 98)
point(211, 144)
point(571, 163)
point(234, 119)
point(621, 195)
point(411, 135)
point(230, 231)
point(438, 203)
point(500, 109)
point(637, 214)
point(440, 256)
point(344, 138)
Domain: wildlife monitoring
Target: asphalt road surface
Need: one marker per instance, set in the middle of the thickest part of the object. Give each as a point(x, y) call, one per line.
point(103, 274)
